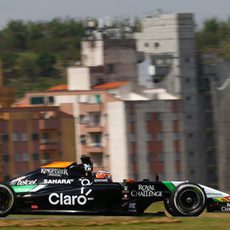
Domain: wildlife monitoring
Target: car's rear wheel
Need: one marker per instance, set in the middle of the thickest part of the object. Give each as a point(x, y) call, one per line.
point(6, 200)
point(187, 199)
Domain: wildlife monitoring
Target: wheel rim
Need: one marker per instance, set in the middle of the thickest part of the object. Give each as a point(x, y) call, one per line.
point(189, 200)
point(6, 200)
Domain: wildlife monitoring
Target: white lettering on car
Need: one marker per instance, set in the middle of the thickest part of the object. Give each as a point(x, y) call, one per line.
point(226, 208)
point(23, 182)
point(62, 199)
point(58, 181)
point(54, 171)
point(146, 191)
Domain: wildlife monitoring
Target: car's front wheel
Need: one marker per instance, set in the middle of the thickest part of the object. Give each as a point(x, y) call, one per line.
point(187, 199)
point(6, 200)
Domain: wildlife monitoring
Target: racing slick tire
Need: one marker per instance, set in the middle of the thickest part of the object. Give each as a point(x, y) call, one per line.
point(6, 200)
point(187, 199)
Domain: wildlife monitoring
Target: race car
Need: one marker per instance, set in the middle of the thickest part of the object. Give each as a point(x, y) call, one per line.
point(71, 188)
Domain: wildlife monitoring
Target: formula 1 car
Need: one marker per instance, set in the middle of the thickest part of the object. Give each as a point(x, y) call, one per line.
point(68, 187)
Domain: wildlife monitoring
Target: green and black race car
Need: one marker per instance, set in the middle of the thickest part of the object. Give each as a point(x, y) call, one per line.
point(68, 187)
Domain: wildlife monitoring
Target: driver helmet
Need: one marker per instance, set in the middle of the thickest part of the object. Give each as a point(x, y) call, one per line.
point(101, 174)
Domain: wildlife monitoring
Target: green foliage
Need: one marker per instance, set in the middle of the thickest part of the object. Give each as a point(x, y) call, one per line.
point(214, 37)
point(35, 54)
point(46, 62)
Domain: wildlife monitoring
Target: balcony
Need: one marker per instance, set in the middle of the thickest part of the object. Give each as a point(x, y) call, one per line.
point(94, 147)
point(48, 124)
point(87, 107)
point(48, 144)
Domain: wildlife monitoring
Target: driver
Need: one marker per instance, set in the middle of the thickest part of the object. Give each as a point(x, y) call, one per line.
point(87, 165)
point(84, 169)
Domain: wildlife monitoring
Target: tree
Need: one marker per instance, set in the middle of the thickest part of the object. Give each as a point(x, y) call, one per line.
point(46, 62)
point(28, 68)
point(15, 35)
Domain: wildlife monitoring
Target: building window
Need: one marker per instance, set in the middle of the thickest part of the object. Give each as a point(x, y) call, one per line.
point(150, 157)
point(24, 137)
point(94, 139)
point(5, 157)
point(148, 116)
point(83, 119)
point(132, 138)
point(94, 99)
point(176, 136)
point(174, 116)
point(83, 139)
point(160, 136)
point(160, 157)
point(177, 156)
point(51, 100)
point(159, 116)
point(35, 136)
point(17, 157)
point(15, 137)
point(188, 98)
point(95, 119)
point(110, 68)
point(5, 137)
point(133, 157)
point(146, 44)
point(156, 44)
point(25, 157)
point(37, 100)
point(47, 156)
point(131, 117)
point(190, 135)
point(97, 159)
point(36, 157)
point(149, 137)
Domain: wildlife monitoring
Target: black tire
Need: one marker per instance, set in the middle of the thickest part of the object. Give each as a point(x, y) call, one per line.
point(6, 200)
point(187, 199)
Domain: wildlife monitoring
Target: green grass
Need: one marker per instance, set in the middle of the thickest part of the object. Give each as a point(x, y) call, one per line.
point(220, 221)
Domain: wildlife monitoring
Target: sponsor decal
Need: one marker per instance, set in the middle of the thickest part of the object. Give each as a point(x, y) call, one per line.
point(85, 182)
point(62, 199)
point(226, 208)
point(23, 182)
point(24, 188)
point(34, 206)
point(101, 180)
point(87, 167)
point(132, 207)
point(146, 191)
point(58, 181)
point(54, 171)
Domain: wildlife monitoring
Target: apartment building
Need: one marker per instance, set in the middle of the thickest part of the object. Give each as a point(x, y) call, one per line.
point(131, 133)
point(31, 136)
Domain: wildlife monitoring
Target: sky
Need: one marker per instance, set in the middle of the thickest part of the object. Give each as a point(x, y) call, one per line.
point(48, 9)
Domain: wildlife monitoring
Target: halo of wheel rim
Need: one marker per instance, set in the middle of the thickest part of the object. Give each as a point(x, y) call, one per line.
point(6, 200)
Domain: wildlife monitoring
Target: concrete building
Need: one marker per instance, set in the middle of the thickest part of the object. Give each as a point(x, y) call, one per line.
point(214, 98)
point(169, 61)
point(31, 136)
point(104, 61)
